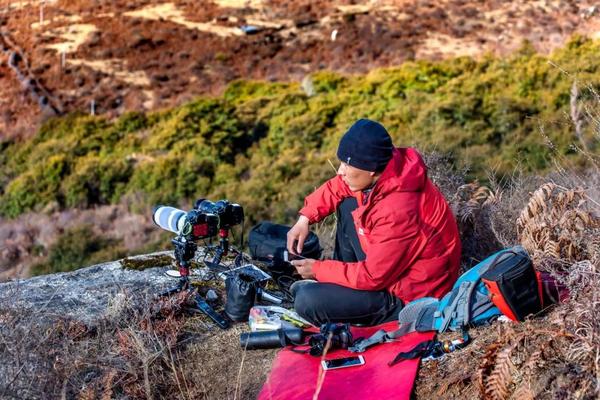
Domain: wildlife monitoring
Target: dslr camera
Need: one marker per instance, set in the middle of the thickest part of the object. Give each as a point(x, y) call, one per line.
point(341, 338)
point(204, 221)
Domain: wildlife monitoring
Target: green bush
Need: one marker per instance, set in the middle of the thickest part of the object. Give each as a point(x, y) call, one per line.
point(265, 145)
point(77, 248)
point(96, 181)
point(36, 187)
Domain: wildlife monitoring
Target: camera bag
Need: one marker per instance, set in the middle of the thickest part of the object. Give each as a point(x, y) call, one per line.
point(514, 286)
point(267, 242)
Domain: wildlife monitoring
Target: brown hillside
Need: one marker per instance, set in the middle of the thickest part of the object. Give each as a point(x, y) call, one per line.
point(115, 56)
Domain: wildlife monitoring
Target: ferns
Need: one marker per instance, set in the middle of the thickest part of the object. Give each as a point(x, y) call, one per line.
point(556, 223)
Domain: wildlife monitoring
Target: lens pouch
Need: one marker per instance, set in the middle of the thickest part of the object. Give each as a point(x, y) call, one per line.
point(241, 294)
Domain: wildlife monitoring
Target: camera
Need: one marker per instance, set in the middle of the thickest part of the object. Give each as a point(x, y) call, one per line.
point(229, 214)
point(192, 225)
point(204, 221)
point(341, 338)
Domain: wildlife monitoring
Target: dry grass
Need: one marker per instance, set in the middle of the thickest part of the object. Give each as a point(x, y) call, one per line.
point(146, 348)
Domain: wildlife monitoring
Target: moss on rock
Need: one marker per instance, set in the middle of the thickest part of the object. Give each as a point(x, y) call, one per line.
point(151, 261)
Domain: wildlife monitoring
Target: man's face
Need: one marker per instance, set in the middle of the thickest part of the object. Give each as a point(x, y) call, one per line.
point(356, 179)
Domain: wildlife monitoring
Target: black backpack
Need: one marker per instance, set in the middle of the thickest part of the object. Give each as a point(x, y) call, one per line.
point(267, 242)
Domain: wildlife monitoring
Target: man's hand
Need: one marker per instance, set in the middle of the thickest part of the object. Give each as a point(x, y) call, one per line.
point(304, 267)
point(298, 233)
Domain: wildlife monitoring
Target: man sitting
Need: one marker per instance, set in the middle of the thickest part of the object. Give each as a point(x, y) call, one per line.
point(396, 238)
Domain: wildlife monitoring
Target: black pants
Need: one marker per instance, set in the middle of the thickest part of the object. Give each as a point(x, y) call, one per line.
point(328, 302)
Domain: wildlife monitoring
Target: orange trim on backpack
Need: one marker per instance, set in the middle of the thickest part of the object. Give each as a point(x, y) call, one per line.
point(498, 299)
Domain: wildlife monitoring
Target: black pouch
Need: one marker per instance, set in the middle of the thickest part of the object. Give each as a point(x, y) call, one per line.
point(268, 241)
point(241, 294)
point(515, 286)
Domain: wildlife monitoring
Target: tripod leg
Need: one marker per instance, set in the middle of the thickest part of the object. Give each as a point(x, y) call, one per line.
point(205, 308)
point(182, 285)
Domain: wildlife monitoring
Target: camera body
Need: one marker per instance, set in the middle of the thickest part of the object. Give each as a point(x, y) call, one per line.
point(206, 220)
point(229, 214)
point(341, 338)
point(199, 225)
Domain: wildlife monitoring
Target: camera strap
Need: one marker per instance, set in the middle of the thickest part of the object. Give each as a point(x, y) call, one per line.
point(420, 350)
point(381, 336)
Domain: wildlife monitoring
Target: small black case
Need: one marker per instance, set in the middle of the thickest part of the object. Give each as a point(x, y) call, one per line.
point(241, 294)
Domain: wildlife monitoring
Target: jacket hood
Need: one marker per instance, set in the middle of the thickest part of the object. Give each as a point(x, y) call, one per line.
point(406, 172)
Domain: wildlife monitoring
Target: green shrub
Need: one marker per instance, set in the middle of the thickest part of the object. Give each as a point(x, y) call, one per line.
point(96, 181)
point(37, 187)
point(77, 248)
point(265, 145)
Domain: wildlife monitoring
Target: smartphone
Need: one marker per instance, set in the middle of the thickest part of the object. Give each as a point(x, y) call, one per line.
point(287, 256)
point(342, 362)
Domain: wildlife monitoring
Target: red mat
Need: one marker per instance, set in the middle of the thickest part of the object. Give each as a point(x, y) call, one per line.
point(295, 376)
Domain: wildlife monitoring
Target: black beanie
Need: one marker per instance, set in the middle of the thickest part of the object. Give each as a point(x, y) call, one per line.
point(366, 146)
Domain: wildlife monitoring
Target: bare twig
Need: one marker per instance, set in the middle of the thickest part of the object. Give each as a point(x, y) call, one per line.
point(322, 372)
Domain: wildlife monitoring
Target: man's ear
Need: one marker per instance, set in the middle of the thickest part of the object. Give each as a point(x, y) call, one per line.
point(372, 173)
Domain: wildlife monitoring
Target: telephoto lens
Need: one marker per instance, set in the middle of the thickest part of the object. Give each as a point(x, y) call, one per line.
point(169, 218)
point(271, 339)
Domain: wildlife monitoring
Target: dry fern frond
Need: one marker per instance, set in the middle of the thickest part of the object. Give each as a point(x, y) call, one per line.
point(555, 222)
point(107, 383)
point(471, 198)
point(487, 364)
point(498, 382)
point(551, 249)
point(535, 360)
point(593, 248)
point(524, 392)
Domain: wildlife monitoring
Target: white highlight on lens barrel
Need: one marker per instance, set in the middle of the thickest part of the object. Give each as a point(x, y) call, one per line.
point(169, 218)
point(170, 224)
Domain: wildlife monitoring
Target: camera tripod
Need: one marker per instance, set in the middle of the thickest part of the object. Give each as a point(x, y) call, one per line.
point(184, 252)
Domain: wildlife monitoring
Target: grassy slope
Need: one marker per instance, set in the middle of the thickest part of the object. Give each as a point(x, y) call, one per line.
point(265, 145)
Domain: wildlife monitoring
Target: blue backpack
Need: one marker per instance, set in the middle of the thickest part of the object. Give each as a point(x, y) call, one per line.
point(467, 304)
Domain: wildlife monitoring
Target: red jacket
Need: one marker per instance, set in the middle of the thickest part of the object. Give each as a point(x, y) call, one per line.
point(406, 230)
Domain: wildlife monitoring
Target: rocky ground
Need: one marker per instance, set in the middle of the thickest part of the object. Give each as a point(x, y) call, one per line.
point(109, 57)
point(102, 332)
point(85, 295)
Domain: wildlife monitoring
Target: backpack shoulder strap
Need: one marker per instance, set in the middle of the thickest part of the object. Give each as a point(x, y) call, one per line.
point(458, 309)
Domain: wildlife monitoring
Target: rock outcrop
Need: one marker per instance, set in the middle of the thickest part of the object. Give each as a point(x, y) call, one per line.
point(87, 294)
